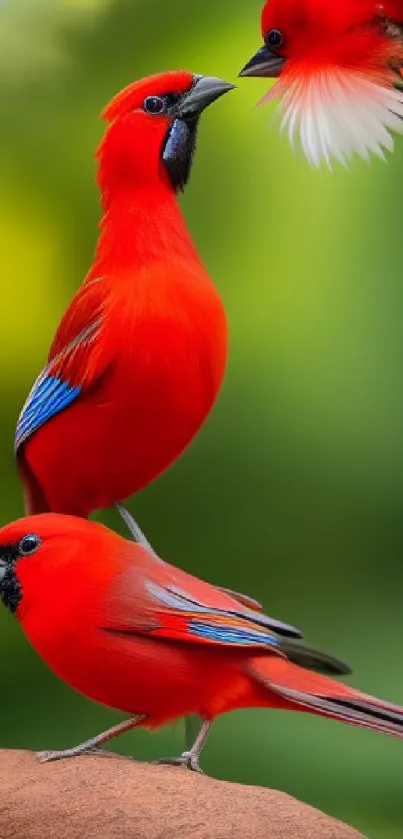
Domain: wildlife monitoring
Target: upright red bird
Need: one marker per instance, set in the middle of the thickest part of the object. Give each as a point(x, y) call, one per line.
point(140, 353)
point(126, 629)
point(339, 67)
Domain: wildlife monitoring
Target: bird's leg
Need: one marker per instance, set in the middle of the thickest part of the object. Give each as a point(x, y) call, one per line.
point(192, 728)
point(91, 746)
point(190, 759)
point(134, 529)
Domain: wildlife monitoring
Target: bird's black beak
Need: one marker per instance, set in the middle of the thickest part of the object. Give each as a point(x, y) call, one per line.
point(264, 63)
point(180, 140)
point(205, 91)
point(3, 569)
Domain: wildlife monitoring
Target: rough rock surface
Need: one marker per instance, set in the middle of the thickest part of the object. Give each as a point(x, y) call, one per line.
point(98, 797)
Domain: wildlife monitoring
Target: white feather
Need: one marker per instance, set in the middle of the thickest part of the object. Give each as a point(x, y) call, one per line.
point(337, 113)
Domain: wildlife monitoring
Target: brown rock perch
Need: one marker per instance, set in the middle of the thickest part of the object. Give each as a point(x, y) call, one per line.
point(114, 798)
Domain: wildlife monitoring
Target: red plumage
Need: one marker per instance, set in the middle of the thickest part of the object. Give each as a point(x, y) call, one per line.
point(139, 356)
point(128, 630)
point(338, 64)
point(323, 33)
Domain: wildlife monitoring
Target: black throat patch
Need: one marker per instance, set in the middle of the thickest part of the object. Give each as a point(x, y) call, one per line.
point(10, 587)
point(178, 152)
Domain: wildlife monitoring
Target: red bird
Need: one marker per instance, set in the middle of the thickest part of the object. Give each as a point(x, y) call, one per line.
point(339, 67)
point(139, 356)
point(126, 629)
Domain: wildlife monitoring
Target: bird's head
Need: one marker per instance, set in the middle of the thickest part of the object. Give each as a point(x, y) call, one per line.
point(41, 556)
point(336, 65)
point(153, 128)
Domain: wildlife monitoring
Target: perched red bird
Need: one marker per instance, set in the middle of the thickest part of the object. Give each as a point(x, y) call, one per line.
point(339, 67)
point(126, 629)
point(140, 353)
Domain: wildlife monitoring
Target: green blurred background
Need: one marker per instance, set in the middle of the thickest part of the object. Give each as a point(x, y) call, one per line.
point(293, 490)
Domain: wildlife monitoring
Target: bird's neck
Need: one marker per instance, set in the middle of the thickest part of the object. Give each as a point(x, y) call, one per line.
point(139, 227)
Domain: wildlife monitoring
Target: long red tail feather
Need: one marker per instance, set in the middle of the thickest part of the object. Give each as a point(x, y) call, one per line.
point(318, 694)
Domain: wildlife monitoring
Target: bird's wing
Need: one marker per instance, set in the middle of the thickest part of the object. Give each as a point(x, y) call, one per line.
point(172, 613)
point(244, 599)
point(157, 599)
point(153, 598)
point(76, 361)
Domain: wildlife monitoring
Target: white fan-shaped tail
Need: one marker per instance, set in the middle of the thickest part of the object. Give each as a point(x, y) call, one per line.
point(336, 113)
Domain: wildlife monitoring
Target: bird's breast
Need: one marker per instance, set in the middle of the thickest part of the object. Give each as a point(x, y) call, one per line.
point(168, 339)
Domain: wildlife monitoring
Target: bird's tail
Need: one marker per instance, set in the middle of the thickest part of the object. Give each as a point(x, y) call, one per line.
point(308, 691)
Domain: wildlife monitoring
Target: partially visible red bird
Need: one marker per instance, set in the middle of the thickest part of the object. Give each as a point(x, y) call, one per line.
point(339, 74)
point(126, 629)
point(140, 353)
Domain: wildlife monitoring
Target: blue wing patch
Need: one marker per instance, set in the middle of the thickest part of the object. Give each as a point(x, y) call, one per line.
point(174, 598)
point(232, 635)
point(48, 397)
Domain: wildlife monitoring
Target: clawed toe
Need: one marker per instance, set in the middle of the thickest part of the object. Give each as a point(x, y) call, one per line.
point(188, 760)
point(48, 757)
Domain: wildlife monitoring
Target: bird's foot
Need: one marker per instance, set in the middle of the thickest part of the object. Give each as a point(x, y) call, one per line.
point(48, 757)
point(187, 759)
point(91, 747)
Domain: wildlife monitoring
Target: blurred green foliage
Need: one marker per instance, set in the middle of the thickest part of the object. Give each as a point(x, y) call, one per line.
point(293, 490)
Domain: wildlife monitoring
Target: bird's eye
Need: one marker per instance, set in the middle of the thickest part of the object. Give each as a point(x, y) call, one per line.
point(274, 39)
point(29, 544)
point(154, 105)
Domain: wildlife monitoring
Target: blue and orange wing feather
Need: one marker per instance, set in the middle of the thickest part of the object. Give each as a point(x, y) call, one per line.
point(171, 604)
point(75, 363)
point(186, 618)
point(152, 598)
